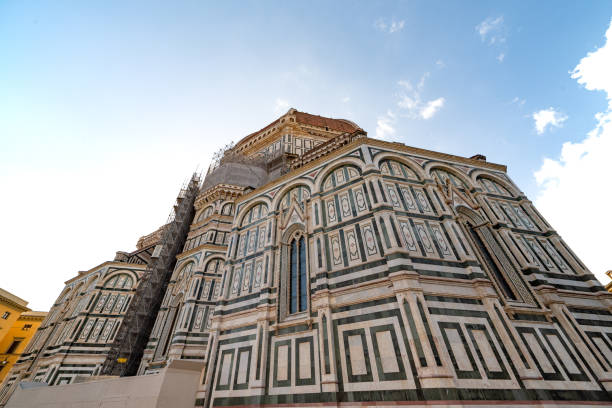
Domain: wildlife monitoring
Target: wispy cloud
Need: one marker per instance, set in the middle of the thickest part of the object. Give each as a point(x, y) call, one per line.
point(385, 125)
point(494, 33)
point(280, 106)
point(517, 101)
point(492, 30)
point(548, 118)
point(346, 99)
point(440, 64)
point(411, 102)
point(389, 27)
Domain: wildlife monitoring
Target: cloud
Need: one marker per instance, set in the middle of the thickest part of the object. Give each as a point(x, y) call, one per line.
point(431, 107)
point(411, 103)
point(346, 99)
point(440, 64)
point(390, 27)
point(593, 71)
point(573, 182)
point(492, 30)
point(516, 100)
point(280, 106)
point(548, 118)
point(494, 33)
point(385, 125)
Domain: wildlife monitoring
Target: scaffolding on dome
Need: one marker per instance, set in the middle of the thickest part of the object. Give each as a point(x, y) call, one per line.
point(127, 349)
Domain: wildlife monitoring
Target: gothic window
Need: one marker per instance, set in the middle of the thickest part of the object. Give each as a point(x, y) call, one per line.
point(228, 209)
point(442, 176)
point(206, 213)
point(213, 265)
point(397, 169)
point(340, 176)
point(296, 278)
point(297, 194)
point(258, 212)
point(493, 187)
point(185, 271)
point(491, 260)
point(120, 281)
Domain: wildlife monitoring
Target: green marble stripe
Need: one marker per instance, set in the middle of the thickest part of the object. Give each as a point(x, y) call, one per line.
point(492, 375)
point(276, 382)
point(325, 344)
point(461, 374)
point(573, 377)
point(223, 354)
point(556, 376)
point(432, 343)
point(245, 385)
point(360, 242)
point(514, 343)
point(600, 312)
point(311, 379)
point(343, 248)
point(427, 394)
point(450, 299)
point(415, 335)
point(458, 312)
point(384, 231)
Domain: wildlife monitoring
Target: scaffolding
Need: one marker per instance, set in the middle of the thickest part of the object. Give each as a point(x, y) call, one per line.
point(127, 349)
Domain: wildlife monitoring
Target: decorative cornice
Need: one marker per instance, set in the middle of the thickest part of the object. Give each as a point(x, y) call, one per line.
point(375, 143)
point(8, 298)
point(224, 191)
point(121, 265)
point(33, 316)
point(9, 302)
point(212, 247)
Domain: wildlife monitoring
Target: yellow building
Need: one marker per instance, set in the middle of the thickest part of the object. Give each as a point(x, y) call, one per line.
point(17, 327)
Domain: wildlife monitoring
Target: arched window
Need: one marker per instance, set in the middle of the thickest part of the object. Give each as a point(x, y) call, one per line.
point(493, 187)
point(298, 274)
point(228, 209)
point(257, 212)
point(185, 272)
point(298, 194)
point(397, 169)
point(340, 176)
point(120, 281)
point(443, 175)
point(206, 213)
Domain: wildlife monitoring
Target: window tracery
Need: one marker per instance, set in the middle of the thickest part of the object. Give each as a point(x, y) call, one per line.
point(493, 187)
point(340, 176)
point(443, 175)
point(295, 291)
point(397, 169)
point(256, 213)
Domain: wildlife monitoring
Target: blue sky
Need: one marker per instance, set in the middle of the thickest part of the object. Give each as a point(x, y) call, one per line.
point(106, 107)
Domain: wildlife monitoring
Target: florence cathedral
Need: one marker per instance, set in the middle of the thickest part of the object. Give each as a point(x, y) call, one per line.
point(314, 266)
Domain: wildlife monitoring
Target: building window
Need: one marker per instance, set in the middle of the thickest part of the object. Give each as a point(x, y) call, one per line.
point(298, 276)
point(26, 327)
point(13, 346)
point(6, 315)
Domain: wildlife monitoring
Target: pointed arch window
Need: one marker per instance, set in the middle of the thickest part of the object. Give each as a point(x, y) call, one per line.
point(298, 287)
point(294, 293)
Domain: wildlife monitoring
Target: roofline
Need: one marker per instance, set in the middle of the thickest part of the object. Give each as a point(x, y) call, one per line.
point(289, 112)
point(16, 301)
point(107, 263)
point(378, 143)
